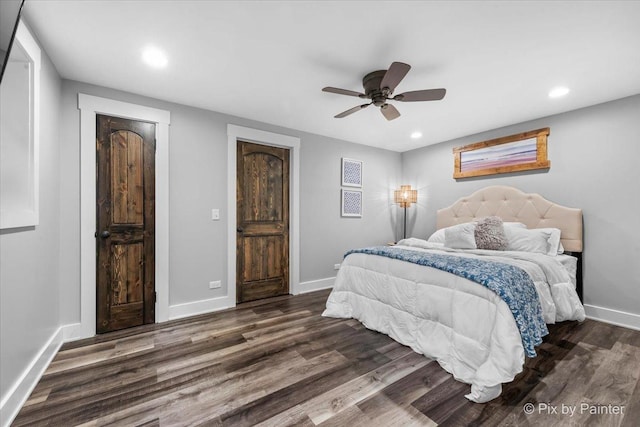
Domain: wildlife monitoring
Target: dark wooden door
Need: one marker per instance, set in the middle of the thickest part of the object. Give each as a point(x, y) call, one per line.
point(125, 238)
point(262, 221)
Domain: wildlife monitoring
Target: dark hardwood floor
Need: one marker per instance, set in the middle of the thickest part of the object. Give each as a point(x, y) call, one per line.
point(278, 363)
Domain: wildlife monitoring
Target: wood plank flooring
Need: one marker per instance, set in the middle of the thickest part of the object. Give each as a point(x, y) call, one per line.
point(279, 363)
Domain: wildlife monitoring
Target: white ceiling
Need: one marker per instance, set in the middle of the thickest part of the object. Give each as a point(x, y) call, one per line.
point(268, 61)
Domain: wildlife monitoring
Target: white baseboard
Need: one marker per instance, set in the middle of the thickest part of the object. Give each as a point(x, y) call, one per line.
point(316, 285)
point(615, 317)
point(22, 388)
point(73, 332)
point(179, 311)
point(194, 308)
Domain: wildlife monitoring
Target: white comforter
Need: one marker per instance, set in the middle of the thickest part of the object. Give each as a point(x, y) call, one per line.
point(466, 327)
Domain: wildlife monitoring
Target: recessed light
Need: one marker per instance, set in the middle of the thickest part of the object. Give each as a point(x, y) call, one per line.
point(558, 92)
point(416, 135)
point(154, 57)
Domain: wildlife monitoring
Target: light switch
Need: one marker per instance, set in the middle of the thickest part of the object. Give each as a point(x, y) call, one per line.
point(215, 214)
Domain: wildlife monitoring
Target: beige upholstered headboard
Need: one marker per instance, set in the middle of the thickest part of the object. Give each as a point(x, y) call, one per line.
point(511, 204)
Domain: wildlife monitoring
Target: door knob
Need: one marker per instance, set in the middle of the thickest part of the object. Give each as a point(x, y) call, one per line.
point(105, 234)
point(239, 229)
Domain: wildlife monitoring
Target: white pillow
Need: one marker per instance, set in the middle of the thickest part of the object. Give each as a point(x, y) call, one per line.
point(438, 235)
point(461, 236)
point(539, 240)
point(555, 247)
point(514, 224)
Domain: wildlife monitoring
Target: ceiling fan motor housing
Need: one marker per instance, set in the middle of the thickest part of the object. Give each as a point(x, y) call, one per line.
point(371, 83)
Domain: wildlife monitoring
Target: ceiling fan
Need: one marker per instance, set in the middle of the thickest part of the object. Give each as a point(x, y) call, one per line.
point(379, 86)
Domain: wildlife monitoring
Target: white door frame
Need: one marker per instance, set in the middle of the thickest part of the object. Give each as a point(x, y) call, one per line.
point(89, 106)
point(234, 133)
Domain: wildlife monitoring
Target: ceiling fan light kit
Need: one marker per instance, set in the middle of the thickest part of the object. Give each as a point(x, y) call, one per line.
point(379, 86)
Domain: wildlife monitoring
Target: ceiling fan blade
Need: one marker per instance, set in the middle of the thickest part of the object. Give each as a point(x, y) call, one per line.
point(351, 111)
point(395, 74)
point(343, 91)
point(389, 111)
point(421, 95)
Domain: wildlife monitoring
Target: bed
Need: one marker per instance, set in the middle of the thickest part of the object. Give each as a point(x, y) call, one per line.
point(479, 312)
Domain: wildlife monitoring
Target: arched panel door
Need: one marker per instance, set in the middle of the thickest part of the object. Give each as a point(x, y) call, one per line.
point(262, 221)
point(125, 235)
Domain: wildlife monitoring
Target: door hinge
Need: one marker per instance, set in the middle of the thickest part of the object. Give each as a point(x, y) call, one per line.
point(155, 297)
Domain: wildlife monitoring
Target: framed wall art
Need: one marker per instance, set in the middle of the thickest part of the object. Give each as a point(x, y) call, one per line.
point(351, 173)
point(513, 153)
point(352, 203)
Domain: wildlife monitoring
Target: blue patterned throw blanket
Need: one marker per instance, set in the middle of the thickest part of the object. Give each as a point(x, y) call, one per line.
point(511, 283)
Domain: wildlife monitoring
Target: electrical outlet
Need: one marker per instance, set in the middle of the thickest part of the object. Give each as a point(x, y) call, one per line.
point(215, 285)
point(215, 214)
point(336, 266)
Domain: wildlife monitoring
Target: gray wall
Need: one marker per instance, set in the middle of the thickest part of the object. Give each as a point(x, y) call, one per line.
point(198, 183)
point(594, 156)
point(325, 236)
point(29, 286)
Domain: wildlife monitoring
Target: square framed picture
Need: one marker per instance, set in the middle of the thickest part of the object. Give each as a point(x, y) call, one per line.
point(351, 173)
point(352, 203)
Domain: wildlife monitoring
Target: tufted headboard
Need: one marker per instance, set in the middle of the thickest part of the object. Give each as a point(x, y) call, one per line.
point(511, 204)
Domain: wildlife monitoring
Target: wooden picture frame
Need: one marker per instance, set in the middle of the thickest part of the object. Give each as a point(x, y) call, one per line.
point(513, 153)
point(351, 172)
point(351, 202)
